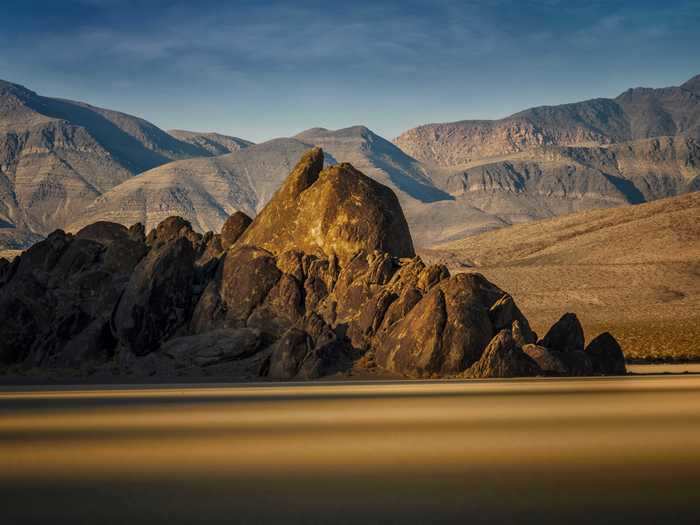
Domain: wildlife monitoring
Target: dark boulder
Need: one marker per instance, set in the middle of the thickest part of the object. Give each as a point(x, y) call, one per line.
point(289, 353)
point(566, 335)
point(170, 229)
point(577, 363)
point(504, 313)
point(413, 345)
point(158, 299)
point(606, 355)
point(549, 361)
point(58, 301)
point(502, 358)
point(213, 348)
point(233, 228)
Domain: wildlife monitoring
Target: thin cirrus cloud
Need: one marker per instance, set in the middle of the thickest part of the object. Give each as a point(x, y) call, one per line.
point(264, 69)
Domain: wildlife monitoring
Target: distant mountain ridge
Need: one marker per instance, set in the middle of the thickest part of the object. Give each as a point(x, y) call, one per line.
point(214, 143)
point(65, 164)
point(57, 156)
point(639, 113)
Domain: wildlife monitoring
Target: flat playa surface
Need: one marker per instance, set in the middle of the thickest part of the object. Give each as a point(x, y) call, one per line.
point(605, 450)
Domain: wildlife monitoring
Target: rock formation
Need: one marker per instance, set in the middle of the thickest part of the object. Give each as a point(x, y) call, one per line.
point(324, 280)
point(337, 211)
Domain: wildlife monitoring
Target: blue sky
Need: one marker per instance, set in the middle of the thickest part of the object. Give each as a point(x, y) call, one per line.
point(265, 69)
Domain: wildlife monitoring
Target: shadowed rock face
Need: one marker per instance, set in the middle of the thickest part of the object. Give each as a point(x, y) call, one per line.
point(233, 228)
point(566, 335)
point(323, 281)
point(606, 355)
point(503, 358)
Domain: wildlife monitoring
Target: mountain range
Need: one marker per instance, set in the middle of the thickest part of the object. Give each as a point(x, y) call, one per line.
point(64, 164)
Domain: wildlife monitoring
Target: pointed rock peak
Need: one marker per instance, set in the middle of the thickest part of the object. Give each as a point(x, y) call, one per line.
point(606, 355)
point(233, 228)
point(502, 358)
point(304, 174)
point(337, 211)
point(566, 335)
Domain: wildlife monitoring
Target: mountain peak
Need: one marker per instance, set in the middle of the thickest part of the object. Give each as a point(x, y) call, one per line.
point(351, 131)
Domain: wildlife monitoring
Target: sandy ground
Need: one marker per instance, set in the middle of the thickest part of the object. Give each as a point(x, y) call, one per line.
point(611, 450)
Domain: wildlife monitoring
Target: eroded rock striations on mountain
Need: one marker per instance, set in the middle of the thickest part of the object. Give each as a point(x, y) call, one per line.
point(324, 281)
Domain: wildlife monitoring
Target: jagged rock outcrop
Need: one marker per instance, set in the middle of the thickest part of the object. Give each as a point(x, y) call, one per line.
point(606, 355)
point(503, 358)
point(336, 211)
point(158, 298)
point(56, 305)
point(323, 281)
point(566, 335)
point(548, 360)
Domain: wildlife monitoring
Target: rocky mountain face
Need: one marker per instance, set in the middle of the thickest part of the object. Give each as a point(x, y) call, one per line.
point(57, 156)
point(323, 281)
point(554, 160)
point(640, 113)
point(214, 143)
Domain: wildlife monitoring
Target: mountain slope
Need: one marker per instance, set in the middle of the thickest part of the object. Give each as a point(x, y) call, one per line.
point(213, 143)
point(636, 114)
point(378, 158)
point(57, 156)
point(634, 271)
point(205, 191)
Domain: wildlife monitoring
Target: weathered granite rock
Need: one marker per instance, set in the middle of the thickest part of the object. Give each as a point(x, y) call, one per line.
point(4, 270)
point(549, 361)
point(233, 228)
point(323, 280)
point(289, 353)
point(215, 347)
point(502, 358)
point(170, 229)
point(606, 355)
point(57, 302)
point(337, 211)
point(577, 362)
point(566, 335)
point(158, 299)
point(504, 314)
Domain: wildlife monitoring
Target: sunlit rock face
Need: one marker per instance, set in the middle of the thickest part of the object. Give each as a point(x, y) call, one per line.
point(324, 281)
point(333, 212)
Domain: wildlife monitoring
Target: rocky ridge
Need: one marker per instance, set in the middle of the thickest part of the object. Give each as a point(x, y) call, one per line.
point(297, 293)
point(636, 114)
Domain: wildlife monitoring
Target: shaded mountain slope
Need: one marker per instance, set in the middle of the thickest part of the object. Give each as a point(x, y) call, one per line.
point(379, 158)
point(57, 156)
